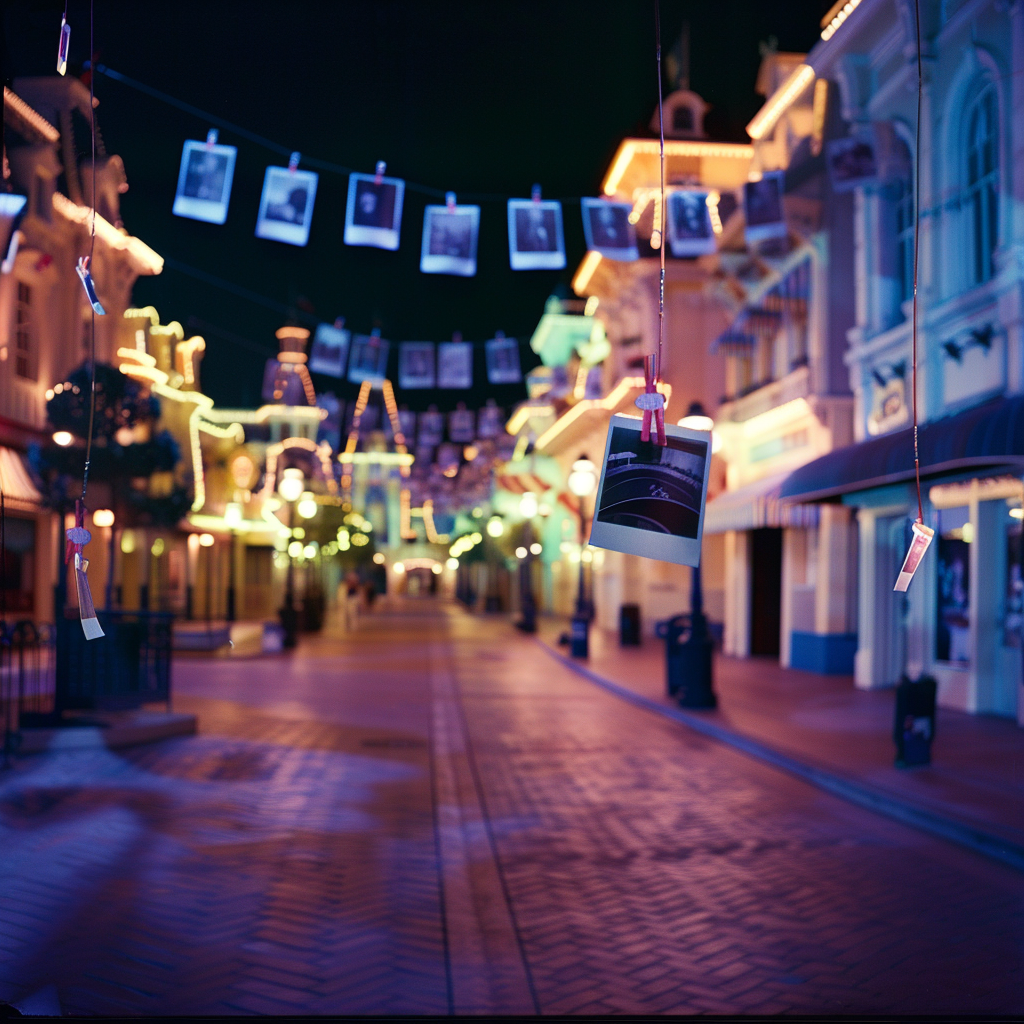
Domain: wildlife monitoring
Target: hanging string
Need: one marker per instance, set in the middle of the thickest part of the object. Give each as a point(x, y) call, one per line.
point(92, 249)
point(661, 226)
point(917, 230)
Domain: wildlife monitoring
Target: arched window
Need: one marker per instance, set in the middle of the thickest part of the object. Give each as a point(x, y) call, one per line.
point(982, 200)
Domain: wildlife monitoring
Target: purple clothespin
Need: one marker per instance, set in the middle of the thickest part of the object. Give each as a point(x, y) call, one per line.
point(449, 201)
point(339, 322)
point(211, 138)
point(62, 46)
point(536, 193)
point(293, 163)
point(87, 284)
point(378, 174)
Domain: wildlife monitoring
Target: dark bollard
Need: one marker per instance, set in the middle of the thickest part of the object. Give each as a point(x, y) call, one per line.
point(629, 625)
point(688, 660)
point(578, 636)
point(914, 721)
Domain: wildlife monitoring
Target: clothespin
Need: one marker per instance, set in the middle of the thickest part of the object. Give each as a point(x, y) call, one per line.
point(449, 201)
point(87, 284)
point(293, 163)
point(378, 174)
point(211, 138)
point(652, 402)
point(77, 537)
point(535, 193)
point(62, 46)
point(339, 322)
point(456, 337)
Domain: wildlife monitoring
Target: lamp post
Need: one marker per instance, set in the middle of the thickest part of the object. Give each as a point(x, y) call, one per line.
point(691, 661)
point(206, 540)
point(104, 519)
point(290, 488)
point(232, 520)
point(528, 509)
point(582, 481)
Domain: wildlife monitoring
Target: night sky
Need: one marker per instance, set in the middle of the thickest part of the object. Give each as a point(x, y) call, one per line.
point(480, 99)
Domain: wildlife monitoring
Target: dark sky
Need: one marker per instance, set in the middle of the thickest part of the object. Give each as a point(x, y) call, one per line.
point(481, 99)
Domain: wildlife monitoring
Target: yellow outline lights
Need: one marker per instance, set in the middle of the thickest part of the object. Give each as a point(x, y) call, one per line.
point(377, 458)
point(150, 261)
point(836, 16)
point(585, 271)
point(673, 147)
point(780, 101)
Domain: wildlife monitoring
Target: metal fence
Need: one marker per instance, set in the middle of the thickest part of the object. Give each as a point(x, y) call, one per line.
point(27, 676)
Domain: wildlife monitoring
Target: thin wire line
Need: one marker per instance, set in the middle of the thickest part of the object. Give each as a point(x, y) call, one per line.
point(92, 249)
point(917, 232)
point(661, 226)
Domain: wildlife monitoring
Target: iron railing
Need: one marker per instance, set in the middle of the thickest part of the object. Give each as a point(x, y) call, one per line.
point(27, 676)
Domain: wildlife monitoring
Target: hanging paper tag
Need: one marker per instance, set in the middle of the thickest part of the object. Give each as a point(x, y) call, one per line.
point(62, 46)
point(87, 610)
point(918, 546)
point(87, 284)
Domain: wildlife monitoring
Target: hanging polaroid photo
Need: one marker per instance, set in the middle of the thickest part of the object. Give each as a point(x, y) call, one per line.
point(286, 206)
point(922, 538)
point(407, 423)
point(330, 426)
point(455, 364)
point(651, 498)
point(204, 181)
point(416, 364)
point(462, 425)
point(449, 240)
point(373, 215)
point(607, 229)
point(535, 239)
point(851, 163)
point(431, 428)
point(762, 207)
point(689, 224)
point(503, 361)
point(488, 421)
point(369, 358)
point(330, 347)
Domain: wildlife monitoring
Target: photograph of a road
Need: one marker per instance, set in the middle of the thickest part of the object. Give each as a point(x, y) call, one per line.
point(650, 487)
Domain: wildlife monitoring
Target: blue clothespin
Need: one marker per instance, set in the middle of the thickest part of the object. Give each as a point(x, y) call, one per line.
point(378, 176)
point(536, 193)
point(449, 201)
point(90, 288)
point(62, 46)
point(211, 138)
point(293, 162)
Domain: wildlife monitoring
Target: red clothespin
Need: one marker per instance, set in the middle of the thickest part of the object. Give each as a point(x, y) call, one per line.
point(652, 402)
point(211, 138)
point(378, 174)
point(77, 537)
point(293, 163)
point(449, 201)
point(535, 193)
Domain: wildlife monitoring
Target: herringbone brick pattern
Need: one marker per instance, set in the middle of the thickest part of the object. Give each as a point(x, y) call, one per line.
point(433, 815)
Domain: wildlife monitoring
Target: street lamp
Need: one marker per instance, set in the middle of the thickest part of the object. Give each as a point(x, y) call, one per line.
point(233, 516)
point(692, 659)
point(582, 481)
point(290, 487)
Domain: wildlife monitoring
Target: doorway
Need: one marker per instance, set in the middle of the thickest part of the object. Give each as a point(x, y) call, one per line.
point(765, 592)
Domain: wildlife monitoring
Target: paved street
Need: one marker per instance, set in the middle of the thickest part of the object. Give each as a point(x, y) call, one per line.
point(431, 815)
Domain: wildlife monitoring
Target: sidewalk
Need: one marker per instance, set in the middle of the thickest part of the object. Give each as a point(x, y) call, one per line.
point(976, 779)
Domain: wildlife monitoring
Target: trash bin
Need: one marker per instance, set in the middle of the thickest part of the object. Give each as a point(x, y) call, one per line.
point(688, 663)
point(578, 630)
point(914, 721)
point(629, 625)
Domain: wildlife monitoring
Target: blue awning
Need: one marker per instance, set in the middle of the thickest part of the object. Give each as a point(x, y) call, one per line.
point(987, 438)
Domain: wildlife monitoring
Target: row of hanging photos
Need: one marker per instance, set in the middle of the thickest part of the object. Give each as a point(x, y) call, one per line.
point(373, 215)
point(421, 364)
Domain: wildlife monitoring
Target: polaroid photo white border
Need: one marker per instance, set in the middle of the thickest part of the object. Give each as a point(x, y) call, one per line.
point(280, 231)
point(435, 263)
point(666, 547)
point(835, 149)
point(363, 234)
point(410, 381)
point(772, 229)
point(209, 210)
point(689, 245)
point(356, 373)
point(501, 374)
point(335, 340)
point(626, 253)
point(520, 259)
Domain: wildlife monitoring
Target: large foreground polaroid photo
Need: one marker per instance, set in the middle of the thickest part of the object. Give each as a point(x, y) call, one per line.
point(449, 240)
point(762, 207)
point(607, 229)
point(535, 239)
point(689, 224)
point(651, 498)
point(286, 206)
point(373, 214)
point(204, 182)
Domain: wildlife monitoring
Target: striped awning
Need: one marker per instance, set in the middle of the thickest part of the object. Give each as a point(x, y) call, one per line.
point(756, 505)
point(15, 481)
point(520, 483)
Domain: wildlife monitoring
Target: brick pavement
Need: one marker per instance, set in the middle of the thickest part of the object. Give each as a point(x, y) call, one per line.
point(432, 815)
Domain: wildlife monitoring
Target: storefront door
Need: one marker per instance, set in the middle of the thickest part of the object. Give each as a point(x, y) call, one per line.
point(765, 592)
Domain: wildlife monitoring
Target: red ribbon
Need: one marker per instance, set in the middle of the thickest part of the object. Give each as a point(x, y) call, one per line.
point(650, 388)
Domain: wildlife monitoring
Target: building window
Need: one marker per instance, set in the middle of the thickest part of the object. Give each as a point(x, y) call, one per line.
point(952, 608)
point(24, 354)
point(983, 181)
point(904, 204)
